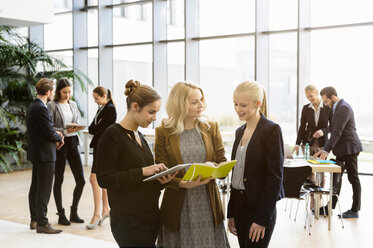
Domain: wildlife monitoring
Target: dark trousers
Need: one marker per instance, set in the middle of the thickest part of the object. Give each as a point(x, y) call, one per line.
point(69, 151)
point(353, 178)
point(40, 191)
point(244, 215)
point(133, 232)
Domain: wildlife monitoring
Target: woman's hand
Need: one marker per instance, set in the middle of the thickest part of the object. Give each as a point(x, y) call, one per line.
point(153, 169)
point(232, 226)
point(72, 129)
point(167, 178)
point(256, 232)
point(296, 150)
point(195, 183)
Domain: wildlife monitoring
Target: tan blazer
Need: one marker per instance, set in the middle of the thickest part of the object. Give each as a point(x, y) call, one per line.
point(167, 151)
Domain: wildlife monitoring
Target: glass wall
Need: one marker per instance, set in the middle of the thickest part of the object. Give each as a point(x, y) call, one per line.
point(59, 34)
point(348, 70)
point(217, 17)
point(282, 92)
point(223, 52)
point(221, 70)
point(131, 62)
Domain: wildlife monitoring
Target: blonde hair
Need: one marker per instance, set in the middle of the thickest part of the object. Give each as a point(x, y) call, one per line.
point(311, 88)
point(140, 93)
point(177, 106)
point(255, 92)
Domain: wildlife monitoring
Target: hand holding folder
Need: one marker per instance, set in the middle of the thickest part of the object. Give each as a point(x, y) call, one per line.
point(207, 170)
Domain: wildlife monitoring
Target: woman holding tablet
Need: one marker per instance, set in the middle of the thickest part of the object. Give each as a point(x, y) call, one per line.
point(64, 111)
point(124, 159)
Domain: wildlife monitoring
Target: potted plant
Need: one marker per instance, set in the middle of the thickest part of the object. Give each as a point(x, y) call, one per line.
point(22, 64)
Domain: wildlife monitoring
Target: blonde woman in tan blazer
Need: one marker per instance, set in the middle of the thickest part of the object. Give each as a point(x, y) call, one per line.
point(191, 212)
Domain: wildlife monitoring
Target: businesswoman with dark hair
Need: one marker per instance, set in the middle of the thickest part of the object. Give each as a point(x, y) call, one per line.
point(257, 175)
point(124, 159)
point(64, 111)
point(105, 116)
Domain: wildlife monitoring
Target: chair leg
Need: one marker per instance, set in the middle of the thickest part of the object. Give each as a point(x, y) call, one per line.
point(286, 204)
point(340, 212)
point(305, 220)
point(296, 212)
point(308, 215)
point(291, 208)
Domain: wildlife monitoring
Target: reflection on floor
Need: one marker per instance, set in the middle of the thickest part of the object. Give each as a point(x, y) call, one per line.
point(19, 235)
point(14, 219)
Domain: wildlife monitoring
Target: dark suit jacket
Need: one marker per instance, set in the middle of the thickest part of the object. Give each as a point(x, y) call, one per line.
point(308, 126)
point(343, 139)
point(106, 117)
point(41, 136)
point(263, 170)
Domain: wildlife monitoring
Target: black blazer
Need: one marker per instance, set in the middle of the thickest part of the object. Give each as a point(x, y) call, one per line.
point(343, 139)
point(263, 170)
point(308, 126)
point(105, 118)
point(41, 136)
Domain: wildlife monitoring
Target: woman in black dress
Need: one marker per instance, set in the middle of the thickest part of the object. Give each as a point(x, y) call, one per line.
point(124, 159)
point(105, 116)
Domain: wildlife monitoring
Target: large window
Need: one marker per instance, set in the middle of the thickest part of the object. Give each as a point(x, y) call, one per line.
point(224, 63)
point(132, 23)
point(223, 50)
point(343, 58)
point(218, 17)
point(92, 27)
point(175, 19)
point(131, 62)
point(335, 12)
point(93, 75)
point(175, 63)
point(283, 14)
point(282, 92)
point(59, 34)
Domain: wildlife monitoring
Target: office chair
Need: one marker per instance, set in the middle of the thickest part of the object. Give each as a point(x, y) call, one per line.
point(319, 191)
point(293, 180)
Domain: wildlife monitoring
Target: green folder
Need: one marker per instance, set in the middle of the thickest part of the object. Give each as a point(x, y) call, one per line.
point(209, 170)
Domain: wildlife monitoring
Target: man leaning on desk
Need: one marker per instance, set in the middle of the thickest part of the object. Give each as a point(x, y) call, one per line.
point(345, 144)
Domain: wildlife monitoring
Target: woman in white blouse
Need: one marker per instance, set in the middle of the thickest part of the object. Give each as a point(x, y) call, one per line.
point(314, 127)
point(63, 112)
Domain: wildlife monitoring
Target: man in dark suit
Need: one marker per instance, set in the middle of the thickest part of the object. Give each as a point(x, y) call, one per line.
point(345, 144)
point(42, 141)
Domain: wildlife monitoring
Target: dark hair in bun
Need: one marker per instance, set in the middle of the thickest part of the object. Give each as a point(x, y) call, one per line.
point(140, 93)
point(131, 86)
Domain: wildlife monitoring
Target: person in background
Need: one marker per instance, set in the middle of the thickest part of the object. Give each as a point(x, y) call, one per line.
point(314, 124)
point(346, 146)
point(314, 128)
point(42, 142)
point(191, 211)
point(257, 175)
point(124, 159)
point(105, 116)
point(65, 111)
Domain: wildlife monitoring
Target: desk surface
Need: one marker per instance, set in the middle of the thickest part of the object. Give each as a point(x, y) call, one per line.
point(315, 167)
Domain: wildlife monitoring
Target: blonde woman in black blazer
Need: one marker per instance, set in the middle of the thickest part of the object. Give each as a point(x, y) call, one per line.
point(257, 176)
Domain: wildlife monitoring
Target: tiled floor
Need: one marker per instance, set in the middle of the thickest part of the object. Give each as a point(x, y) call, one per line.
point(19, 235)
point(14, 220)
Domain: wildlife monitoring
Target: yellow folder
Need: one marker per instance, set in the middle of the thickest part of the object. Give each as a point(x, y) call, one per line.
point(209, 170)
